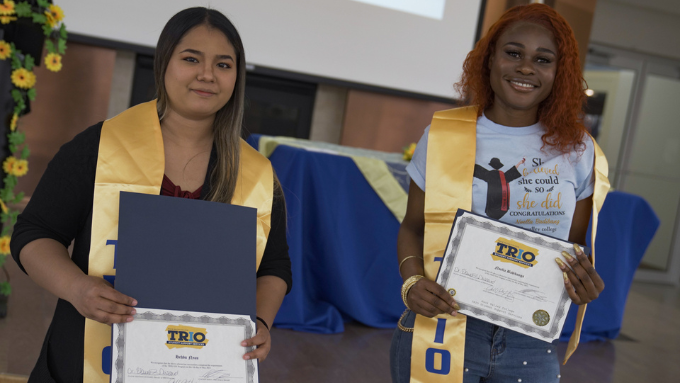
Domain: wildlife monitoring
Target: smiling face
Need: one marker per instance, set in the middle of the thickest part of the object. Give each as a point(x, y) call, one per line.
point(522, 69)
point(201, 73)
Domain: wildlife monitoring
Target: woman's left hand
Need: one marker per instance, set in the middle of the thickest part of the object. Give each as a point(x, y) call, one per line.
point(582, 282)
point(262, 340)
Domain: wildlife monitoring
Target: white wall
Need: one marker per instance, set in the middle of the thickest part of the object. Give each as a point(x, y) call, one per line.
point(638, 26)
point(340, 39)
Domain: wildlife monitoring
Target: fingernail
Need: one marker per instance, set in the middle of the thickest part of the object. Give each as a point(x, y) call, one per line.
point(577, 248)
point(560, 263)
point(246, 357)
point(456, 306)
point(134, 302)
point(568, 256)
point(133, 312)
point(454, 313)
point(565, 276)
point(244, 344)
point(129, 319)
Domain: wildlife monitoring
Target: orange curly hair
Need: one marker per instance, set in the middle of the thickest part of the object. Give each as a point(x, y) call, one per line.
point(561, 112)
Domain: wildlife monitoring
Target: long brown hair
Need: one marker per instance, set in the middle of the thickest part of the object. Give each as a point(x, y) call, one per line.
point(229, 119)
point(561, 112)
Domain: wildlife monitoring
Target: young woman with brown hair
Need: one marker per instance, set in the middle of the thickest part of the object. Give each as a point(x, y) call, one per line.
point(185, 144)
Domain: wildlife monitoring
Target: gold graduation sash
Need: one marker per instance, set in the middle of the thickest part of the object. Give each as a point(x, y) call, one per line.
point(438, 351)
point(601, 171)
point(132, 158)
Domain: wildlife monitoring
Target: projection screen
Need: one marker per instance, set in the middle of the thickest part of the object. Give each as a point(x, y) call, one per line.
point(410, 45)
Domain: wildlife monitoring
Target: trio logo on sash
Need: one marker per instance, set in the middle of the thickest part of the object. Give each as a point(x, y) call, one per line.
point(181, 336)
point(511, 251)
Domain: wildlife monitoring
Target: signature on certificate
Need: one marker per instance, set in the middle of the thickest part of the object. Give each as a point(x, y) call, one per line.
point(501, 292)
point(476, 276)
point(533, 294)
point(216, 374)
point(151, 372)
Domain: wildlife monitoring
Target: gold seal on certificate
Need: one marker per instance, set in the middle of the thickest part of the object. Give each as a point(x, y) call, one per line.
point(506, 275)
point(182, 346)
point(541, 317)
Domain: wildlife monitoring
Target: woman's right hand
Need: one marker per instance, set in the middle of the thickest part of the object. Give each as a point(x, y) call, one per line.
point(96, 299)
point(429, 299)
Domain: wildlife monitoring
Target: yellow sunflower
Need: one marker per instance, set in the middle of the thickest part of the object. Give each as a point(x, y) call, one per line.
point(4, 245)
point(8, 165)
point(23, 78)
point(20, 168)
point(53, 62)
point(55, 14)
point(13, 122)
point(7, 19)
point(408, 151)
point(7, 8)
point(50, 19)
point(5, 50)
point(3, 206)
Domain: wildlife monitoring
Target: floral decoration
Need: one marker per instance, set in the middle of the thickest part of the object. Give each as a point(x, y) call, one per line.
point(7, 12)
point(13, 122)
point(7, 8)
point(22, 78)
point(8, 165)
point(408, 151)
point(49, 17)
point(5, 50)
point(54, 15)
point(20, 168)
point(4, 245)
point(53, 62)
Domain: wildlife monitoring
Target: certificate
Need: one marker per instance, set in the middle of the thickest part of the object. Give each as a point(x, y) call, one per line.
point(506, 275)
point(166, 346)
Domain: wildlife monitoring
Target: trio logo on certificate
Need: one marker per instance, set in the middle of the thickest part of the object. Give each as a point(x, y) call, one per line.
point(506, 275)
point(185, 336)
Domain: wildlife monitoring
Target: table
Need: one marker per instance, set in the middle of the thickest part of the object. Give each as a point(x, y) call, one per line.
point(343, 240)
point(343, 243)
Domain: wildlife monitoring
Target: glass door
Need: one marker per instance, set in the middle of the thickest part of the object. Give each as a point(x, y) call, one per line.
point(640, 135)
point(652, 164)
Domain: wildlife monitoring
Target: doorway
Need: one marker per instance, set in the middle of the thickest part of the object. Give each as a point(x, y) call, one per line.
point(640, 135)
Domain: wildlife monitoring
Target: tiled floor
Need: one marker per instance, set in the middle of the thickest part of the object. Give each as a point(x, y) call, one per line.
point(647, 351)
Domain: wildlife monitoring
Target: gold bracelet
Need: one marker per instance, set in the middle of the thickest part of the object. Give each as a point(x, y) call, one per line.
point(401, 326)
point(405, 259)
point(406, 287)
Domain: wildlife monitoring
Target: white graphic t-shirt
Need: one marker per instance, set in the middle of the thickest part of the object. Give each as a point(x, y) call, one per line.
point(518, 183)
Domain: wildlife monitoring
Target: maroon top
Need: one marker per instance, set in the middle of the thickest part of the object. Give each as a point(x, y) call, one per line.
point(170, 189)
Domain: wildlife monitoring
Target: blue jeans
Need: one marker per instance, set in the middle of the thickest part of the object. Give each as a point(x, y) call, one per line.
point(492, 355)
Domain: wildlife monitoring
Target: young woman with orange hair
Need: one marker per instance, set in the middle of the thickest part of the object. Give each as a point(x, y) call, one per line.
point(533, 168)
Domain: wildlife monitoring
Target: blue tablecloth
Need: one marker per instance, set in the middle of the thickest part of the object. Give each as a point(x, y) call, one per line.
point(343, 240)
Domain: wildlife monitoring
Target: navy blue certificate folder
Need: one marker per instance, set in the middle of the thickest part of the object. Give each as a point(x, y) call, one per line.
point(190, 255)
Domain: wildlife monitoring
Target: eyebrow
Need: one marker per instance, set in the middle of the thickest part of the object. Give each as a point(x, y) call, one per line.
point(199, 53)
point(539, 49)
